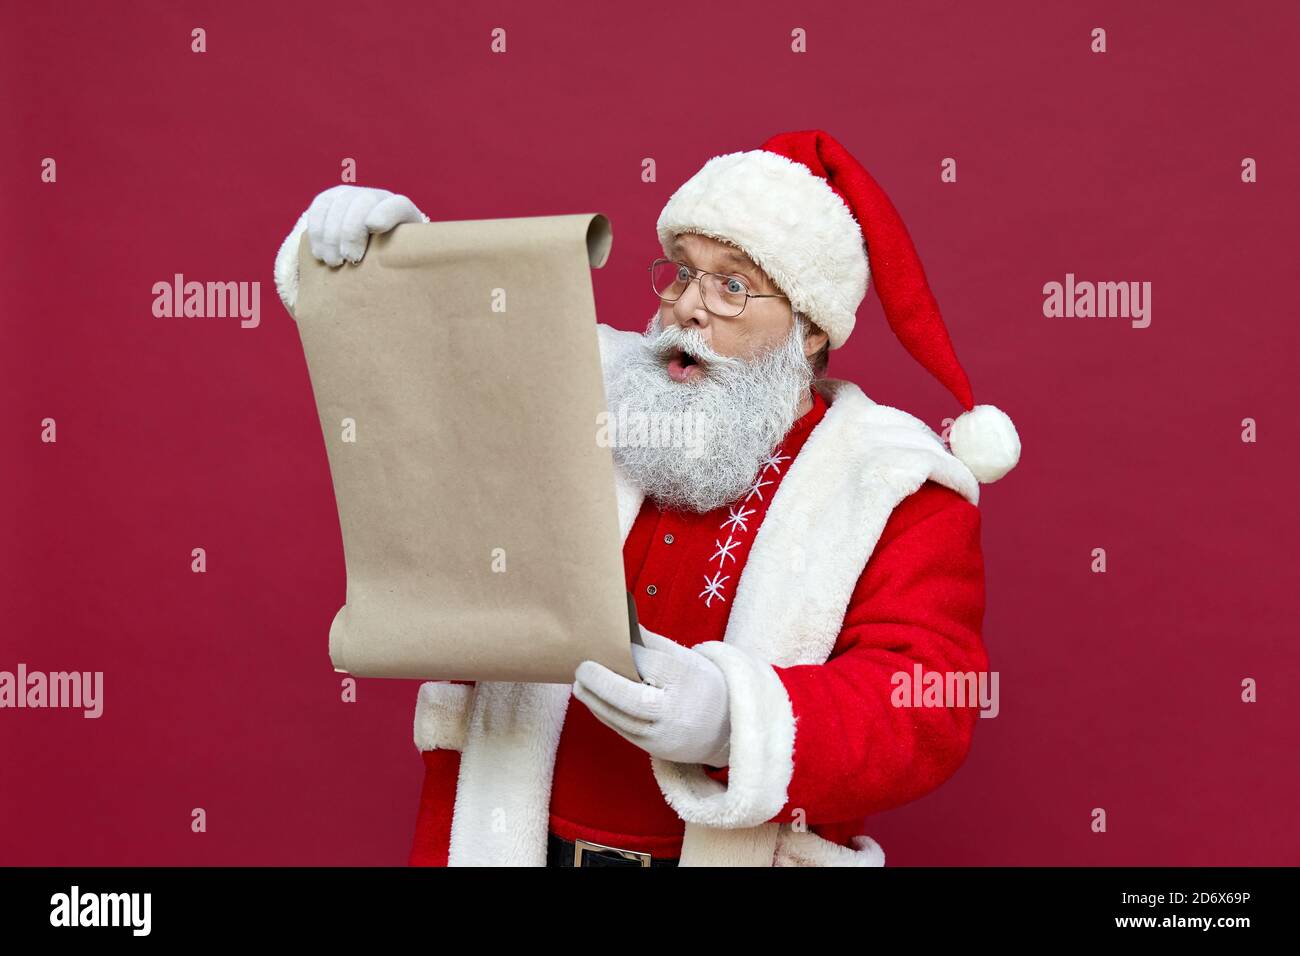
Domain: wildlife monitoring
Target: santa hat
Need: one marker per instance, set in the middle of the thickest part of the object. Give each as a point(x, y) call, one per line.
point(814, 220)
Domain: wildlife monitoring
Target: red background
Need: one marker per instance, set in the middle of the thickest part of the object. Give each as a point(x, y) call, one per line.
point(1118, 690)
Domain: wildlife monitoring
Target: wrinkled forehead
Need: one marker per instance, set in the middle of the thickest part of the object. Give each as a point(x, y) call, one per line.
point(694, 245)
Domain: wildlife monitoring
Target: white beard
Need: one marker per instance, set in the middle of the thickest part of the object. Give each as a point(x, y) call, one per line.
point(739, 410)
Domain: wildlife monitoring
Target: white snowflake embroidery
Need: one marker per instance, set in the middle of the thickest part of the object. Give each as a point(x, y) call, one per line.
point(755, 488)
point(713, 588)
point(739, 515)
point(725, 550)
point(774, 461)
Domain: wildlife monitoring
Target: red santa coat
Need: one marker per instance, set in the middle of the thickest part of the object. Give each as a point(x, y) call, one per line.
point(801, 604)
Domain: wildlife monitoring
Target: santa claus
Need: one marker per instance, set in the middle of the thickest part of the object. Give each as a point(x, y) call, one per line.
point(785, 570)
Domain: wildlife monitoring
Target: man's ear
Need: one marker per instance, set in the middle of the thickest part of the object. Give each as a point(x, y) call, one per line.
point(814, 340)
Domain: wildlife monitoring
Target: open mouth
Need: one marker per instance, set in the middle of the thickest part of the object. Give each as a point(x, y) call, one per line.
point(683, 367)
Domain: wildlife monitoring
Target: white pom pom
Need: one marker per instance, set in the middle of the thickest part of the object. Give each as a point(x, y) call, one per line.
point(986, 442)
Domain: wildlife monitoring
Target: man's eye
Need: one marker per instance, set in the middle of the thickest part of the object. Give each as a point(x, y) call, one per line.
point(736, 286)
point(683, 273)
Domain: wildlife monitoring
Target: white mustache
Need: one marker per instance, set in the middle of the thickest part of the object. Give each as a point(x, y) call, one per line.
point(676, 337)
point(746, 407)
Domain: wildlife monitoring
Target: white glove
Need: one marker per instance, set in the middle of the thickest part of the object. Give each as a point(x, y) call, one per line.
point(338, 224)
point(682, 711)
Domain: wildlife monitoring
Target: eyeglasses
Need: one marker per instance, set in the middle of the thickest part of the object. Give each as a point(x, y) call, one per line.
point(724, 296)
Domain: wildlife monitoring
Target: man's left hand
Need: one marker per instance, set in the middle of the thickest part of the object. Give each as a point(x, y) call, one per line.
point(681, 713)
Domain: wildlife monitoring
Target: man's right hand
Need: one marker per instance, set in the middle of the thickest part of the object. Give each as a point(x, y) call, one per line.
point(340, 220)
point(338, 224)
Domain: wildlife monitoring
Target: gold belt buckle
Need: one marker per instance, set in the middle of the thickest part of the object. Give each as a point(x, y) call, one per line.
point(582, 846)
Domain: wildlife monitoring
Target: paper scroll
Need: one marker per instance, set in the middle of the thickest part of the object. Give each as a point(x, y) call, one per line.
point(457, 375)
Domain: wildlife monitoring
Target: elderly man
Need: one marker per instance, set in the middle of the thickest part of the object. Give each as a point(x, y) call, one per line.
point(788, 574)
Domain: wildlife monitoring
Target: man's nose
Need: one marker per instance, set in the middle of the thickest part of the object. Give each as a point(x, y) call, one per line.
point(690, 312)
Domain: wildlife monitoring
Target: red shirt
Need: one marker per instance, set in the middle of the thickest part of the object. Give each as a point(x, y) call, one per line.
point(682, 567)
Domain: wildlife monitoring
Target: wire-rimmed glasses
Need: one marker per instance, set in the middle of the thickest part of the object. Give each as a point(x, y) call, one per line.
point(722, 295)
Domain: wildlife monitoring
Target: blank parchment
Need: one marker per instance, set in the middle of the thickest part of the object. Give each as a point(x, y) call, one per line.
point(480, 529)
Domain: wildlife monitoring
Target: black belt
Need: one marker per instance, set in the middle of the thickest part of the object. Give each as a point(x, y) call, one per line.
point(562, 852)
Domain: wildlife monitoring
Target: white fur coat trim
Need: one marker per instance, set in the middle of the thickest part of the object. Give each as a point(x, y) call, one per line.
point(286, 264)
point(442, 715)
point(503, 794)
point(774, 845)
point(805, 848)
